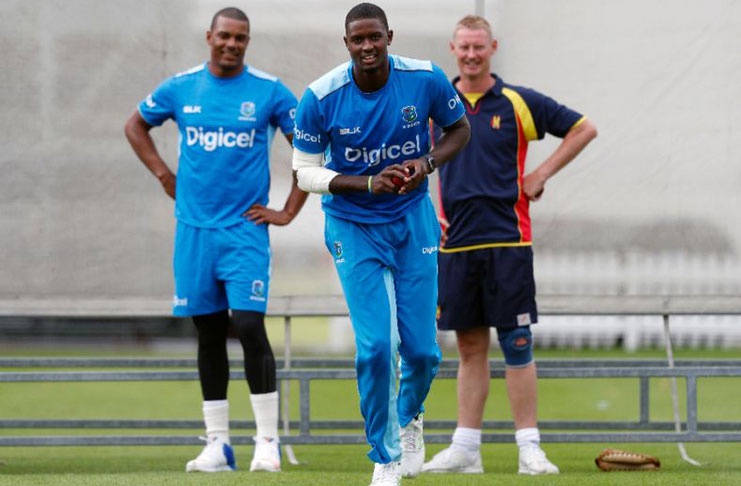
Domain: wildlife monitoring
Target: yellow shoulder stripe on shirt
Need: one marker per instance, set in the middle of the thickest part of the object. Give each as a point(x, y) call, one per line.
point(579, 122)
point(523, 113)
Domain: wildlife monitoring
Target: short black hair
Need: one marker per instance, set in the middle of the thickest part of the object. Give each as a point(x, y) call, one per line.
point(366, 11)
point(231, 13)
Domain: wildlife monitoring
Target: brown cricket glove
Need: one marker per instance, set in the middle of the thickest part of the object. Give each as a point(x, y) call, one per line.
point(617, 460)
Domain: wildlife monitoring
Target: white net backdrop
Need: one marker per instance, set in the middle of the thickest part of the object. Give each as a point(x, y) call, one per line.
point(651, 206)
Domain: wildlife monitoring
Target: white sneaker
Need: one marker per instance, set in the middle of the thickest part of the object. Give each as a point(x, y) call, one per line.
point(455, 460)
point(387, 474)
point(217, 456)
point(267, 455)
point(412, 447)
point(533, 461)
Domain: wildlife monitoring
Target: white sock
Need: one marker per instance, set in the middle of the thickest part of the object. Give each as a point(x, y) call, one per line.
point(468, 439)
point(265, 408)
point(528, 436)
point(216, 418)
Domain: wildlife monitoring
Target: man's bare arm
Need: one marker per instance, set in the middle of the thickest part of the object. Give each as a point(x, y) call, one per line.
point(453, 139)
point(137, 132)
point(411, 173)
point(381, 183)
point(573, 143)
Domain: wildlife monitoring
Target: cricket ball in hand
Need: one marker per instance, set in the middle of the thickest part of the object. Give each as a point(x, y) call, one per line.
point(400, 182)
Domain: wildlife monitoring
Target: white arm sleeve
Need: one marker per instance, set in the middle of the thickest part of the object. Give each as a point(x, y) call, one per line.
point(312, 176)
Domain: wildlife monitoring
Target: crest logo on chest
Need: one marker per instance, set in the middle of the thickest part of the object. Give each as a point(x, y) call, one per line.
point(247, 111)
point(409, 116)
point(496, 122)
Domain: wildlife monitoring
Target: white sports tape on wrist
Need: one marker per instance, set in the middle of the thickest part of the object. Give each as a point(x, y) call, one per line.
point(312, 176)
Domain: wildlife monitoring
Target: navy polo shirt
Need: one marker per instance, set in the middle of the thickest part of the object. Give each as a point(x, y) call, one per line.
point(481, 188)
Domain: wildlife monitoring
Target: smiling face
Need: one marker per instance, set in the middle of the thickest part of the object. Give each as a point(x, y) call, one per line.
point(473, 49)
point(228, 39)
point(367, 41)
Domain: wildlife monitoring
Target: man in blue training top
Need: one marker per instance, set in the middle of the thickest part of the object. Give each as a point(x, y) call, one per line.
point(226, 114)
point(370, 117)
point(486, 260)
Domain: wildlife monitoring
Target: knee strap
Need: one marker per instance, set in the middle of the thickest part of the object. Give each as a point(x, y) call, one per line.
point(517, 346)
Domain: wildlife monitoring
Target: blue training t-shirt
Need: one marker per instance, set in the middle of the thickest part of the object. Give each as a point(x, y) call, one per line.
point(226, 127)
point(362, 133)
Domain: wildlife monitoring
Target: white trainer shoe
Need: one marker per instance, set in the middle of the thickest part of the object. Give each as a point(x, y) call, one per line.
point(387, 474)
point(455, 460)
point(412, 447)
point(267, 455)
point(217, 456)
point(533, 461)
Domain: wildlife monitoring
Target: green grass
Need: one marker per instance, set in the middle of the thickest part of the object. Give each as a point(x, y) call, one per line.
point(587, 399)
point(347, 466)
point(560, 399)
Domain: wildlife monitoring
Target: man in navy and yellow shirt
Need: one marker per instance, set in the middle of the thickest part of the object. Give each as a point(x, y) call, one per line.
point(485, 262)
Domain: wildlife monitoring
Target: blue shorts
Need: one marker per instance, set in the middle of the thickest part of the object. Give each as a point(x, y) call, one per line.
point(389, 276)
point(221, 268)
point(487, 287)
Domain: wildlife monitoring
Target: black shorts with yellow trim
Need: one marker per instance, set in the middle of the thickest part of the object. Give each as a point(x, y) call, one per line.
point(486, 285)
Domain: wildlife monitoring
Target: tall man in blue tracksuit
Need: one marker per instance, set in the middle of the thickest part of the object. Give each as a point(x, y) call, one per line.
point(227, 114)
point(362, 140)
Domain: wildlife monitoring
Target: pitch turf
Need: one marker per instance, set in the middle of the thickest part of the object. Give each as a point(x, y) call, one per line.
point(347, 466)
point(615, 399)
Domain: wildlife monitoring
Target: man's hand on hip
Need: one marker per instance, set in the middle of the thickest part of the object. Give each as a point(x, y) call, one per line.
point(168, 181)
point(259, 214)
point(533, 186)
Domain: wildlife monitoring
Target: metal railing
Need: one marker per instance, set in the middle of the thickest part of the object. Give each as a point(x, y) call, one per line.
point(306, 370)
